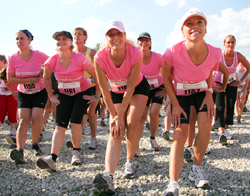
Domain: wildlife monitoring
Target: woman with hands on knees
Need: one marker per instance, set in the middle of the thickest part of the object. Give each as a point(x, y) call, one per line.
point(190, 64)
point(68, 68)
point(25, 69)
point(120, 63)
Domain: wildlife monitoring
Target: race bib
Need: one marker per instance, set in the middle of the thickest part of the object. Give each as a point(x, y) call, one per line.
point(232, 77)
point(29, 88)
point(120, 86)
point(186, 89)
point(69, 88)
point(153, 83)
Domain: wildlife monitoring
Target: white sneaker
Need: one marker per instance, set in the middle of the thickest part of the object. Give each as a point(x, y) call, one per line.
point(154, 145)
point(76, 158)
point(196, 175)
point(129, 171)
point(105, 184)
point(189, 154)
point(227, 134)
point(93, 143)
point(47, 163)
point(172, 189)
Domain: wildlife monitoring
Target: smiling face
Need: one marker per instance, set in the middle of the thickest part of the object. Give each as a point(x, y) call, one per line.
point(22, 41)
point(63, 42)
point(194, 28)
point(144, 44)
point(116, 39)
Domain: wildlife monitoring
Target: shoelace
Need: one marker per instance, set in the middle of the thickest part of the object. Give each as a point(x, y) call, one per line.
point(200, 173)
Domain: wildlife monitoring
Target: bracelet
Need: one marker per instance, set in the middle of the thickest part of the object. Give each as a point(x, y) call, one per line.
point(96, 97)
point(210, 90)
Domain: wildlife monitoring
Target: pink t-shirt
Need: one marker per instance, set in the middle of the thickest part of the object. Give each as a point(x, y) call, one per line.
point(187, 77)
point(118, 76)
point(27, 69)
point(71, 80)
point(232, 70)
point(151, 71)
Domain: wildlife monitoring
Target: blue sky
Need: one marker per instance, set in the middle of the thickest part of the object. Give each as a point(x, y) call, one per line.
point(161, 18)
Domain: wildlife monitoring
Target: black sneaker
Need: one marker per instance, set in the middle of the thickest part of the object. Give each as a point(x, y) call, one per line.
point(104, 184)
point(37, 151)
point(223, 139)
point(69, 144)
point(17, 156)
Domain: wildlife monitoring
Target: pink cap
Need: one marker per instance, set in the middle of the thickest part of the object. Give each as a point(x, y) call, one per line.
point(115, 25)
point(193, 12)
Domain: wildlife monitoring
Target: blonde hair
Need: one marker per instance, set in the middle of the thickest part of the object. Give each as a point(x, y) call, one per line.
point(81, 29)
point(229, 36)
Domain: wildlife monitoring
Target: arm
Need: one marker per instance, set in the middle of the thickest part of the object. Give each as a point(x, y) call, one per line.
point(177, 109)
point(47, 83)
point(245, 63)
point(12, 79)
point(91, 70)
point(225, 71)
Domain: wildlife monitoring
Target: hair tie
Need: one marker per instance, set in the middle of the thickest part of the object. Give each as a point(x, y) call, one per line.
point(28, 34)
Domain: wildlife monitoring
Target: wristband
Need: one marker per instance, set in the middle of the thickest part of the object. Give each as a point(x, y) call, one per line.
point(96, 97)
point(210, 90)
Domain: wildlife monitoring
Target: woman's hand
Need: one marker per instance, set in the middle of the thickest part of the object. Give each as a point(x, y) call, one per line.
point(208, 101)
point(117, 127)
point(176, 115)
point(91, 98)
point(160, 93)
point(54, 100)
point(235, 83)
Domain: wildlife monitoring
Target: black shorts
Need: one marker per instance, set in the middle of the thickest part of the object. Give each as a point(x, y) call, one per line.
point(93, 88)
point(192, 100)
point(71, 108)
point(36, 100)
point(152, 98)
point(142, 88)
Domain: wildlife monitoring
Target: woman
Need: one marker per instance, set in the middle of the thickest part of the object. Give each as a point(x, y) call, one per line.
point(120, 63)
point(8, 102)
point(80, 37)
point(242, 92)
point(230, 59)
point(25, 69)
point(150, 68)
point(68, 68)
point(190, 64)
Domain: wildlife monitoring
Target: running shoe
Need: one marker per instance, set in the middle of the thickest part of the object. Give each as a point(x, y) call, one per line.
point(208, 151)
point(105, 184)
point(196, 175)
point(17, 156)
point(37, 151)
point(154, 145)
point(147, 126)
point(228, 135)
point(76, 158)
point(69, 144)
point(137, 152)
point(189, 154)
point(102, 123)
point(223, 139)
point(47, 163)
point(11, 140)
point(166, 135)
point(129, 171)
point(172, 189)
point(93, 144)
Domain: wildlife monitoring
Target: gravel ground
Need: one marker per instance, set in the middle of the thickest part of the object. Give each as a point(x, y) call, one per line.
point(227, 167)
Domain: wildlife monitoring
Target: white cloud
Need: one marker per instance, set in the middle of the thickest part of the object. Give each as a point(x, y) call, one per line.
point(180, 3)
point(228, 21)
point(103, 2)
point(70, 1)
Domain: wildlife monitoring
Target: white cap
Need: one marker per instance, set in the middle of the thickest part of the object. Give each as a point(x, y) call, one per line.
point(115, 25)
point(193, 12)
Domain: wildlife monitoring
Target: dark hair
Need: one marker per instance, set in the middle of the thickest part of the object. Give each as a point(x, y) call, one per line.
point(28, 34)
point(3, 58)
point(3, 74)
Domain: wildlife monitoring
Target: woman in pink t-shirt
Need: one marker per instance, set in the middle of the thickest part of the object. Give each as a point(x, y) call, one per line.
point(190, 64)
point(151, 67)
point(68, 68)
point(25, 69)
point(120, 63)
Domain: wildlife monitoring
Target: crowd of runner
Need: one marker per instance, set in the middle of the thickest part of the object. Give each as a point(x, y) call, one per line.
point(196, 83)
